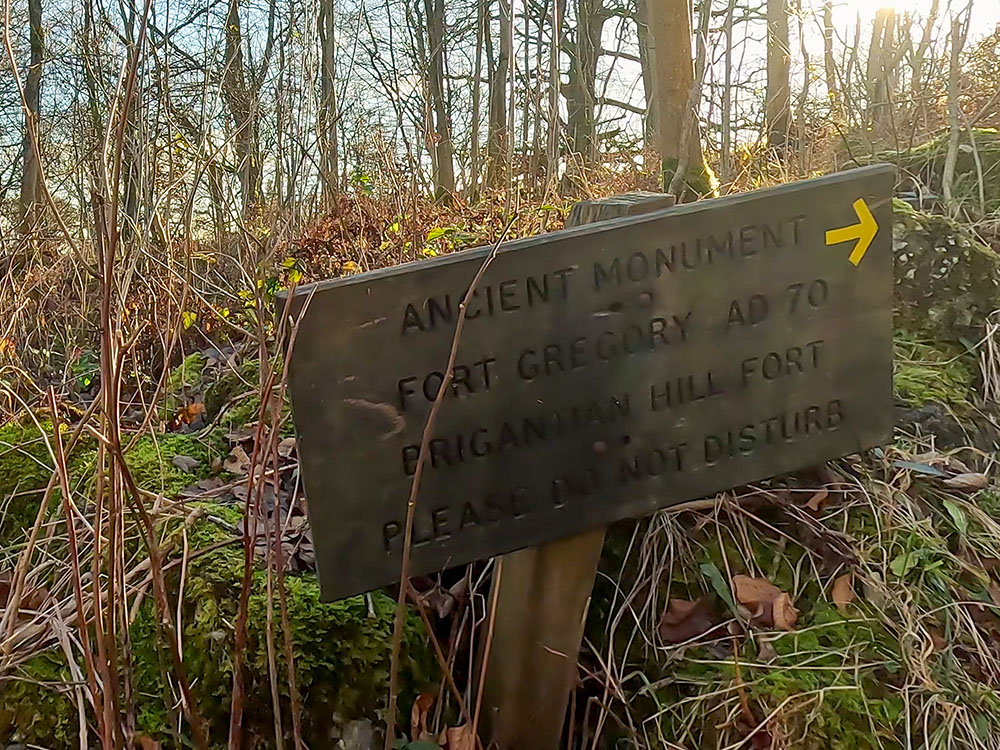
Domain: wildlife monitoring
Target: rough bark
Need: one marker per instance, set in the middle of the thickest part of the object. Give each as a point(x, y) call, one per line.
point(829, 61)
point(647, 64)
point(497, 143)
point(580, 90)
point(31, 173)
point(328, 115)
point(778, 107)
point(444, 166)
point(240, 104)
point(673, 77)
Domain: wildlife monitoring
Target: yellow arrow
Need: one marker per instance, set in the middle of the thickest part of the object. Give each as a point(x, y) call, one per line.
point(864, 232)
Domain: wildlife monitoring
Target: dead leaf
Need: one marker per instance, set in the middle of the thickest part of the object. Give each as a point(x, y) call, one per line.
point(769, 605)
point(967, 482)
point(418, 717)
point(286, 447)
point(784, 613)
point(937, 640)
point(843, 591)
point(766, 651)
point(148, 743)
point(187, 415)
point(994, 591)
point(187, 464)
point(459, 738)
point(817, 500)
point(685, 620)
point(237, 462)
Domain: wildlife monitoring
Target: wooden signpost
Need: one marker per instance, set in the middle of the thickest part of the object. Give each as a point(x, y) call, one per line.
point(604, 371)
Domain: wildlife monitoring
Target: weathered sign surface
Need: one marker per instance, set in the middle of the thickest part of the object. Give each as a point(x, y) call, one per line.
point(603, 372)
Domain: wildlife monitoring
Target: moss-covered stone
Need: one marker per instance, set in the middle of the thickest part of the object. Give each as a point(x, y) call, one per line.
point(946, 280)
point(926, 163)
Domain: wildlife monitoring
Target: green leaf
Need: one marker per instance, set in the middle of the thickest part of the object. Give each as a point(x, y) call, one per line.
point(958, 517)
point(903, 564)
point(188, 319)
point(711, 571)
point(438, 232)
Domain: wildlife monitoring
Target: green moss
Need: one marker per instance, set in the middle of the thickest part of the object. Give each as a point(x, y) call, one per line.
point(25, 469)
point(926, 373)
point(186, 375)
point(946, 280)
point(699, 182)
point(151, 460)
point(341, 653)
point(35, 703)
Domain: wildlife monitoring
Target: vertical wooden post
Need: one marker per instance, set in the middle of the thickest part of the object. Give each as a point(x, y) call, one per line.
point(543, 595)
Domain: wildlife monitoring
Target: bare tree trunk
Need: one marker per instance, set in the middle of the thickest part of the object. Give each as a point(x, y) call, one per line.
point(497, 144)
point(689, 126)
point(240, 104)
point(829, 62)
point(554, 122)
point(779, 98)
point(328, 115)
point(880, 65)
point(482, 29)
point(959, 32)
point(444, 166)
point(917, 81)
point(727, 97)
point(580, 90)
point(31, 173)
point(673, 76)
point(647, 64)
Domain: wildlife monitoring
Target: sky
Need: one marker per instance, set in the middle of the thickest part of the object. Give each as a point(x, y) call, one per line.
point(985, 13)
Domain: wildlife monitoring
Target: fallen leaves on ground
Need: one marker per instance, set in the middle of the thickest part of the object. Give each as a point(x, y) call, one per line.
point(188, 417)
point(967, 482)
point(237, 462)
point(436, 597)
point(843, 592)
point(769, 605)
point(686, 620)
point(286, 447)
point(187, 464)
point(459, 738)
point(418, 717)
point(816, 501)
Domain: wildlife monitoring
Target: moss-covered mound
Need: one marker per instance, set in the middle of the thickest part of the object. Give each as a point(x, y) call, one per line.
point(341, 650)
point(976, 183)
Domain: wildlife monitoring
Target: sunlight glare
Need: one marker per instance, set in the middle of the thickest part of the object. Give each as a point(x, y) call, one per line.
point(868, 8)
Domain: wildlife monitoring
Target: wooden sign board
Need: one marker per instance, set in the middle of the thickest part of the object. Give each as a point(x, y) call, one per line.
point(604, 372)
